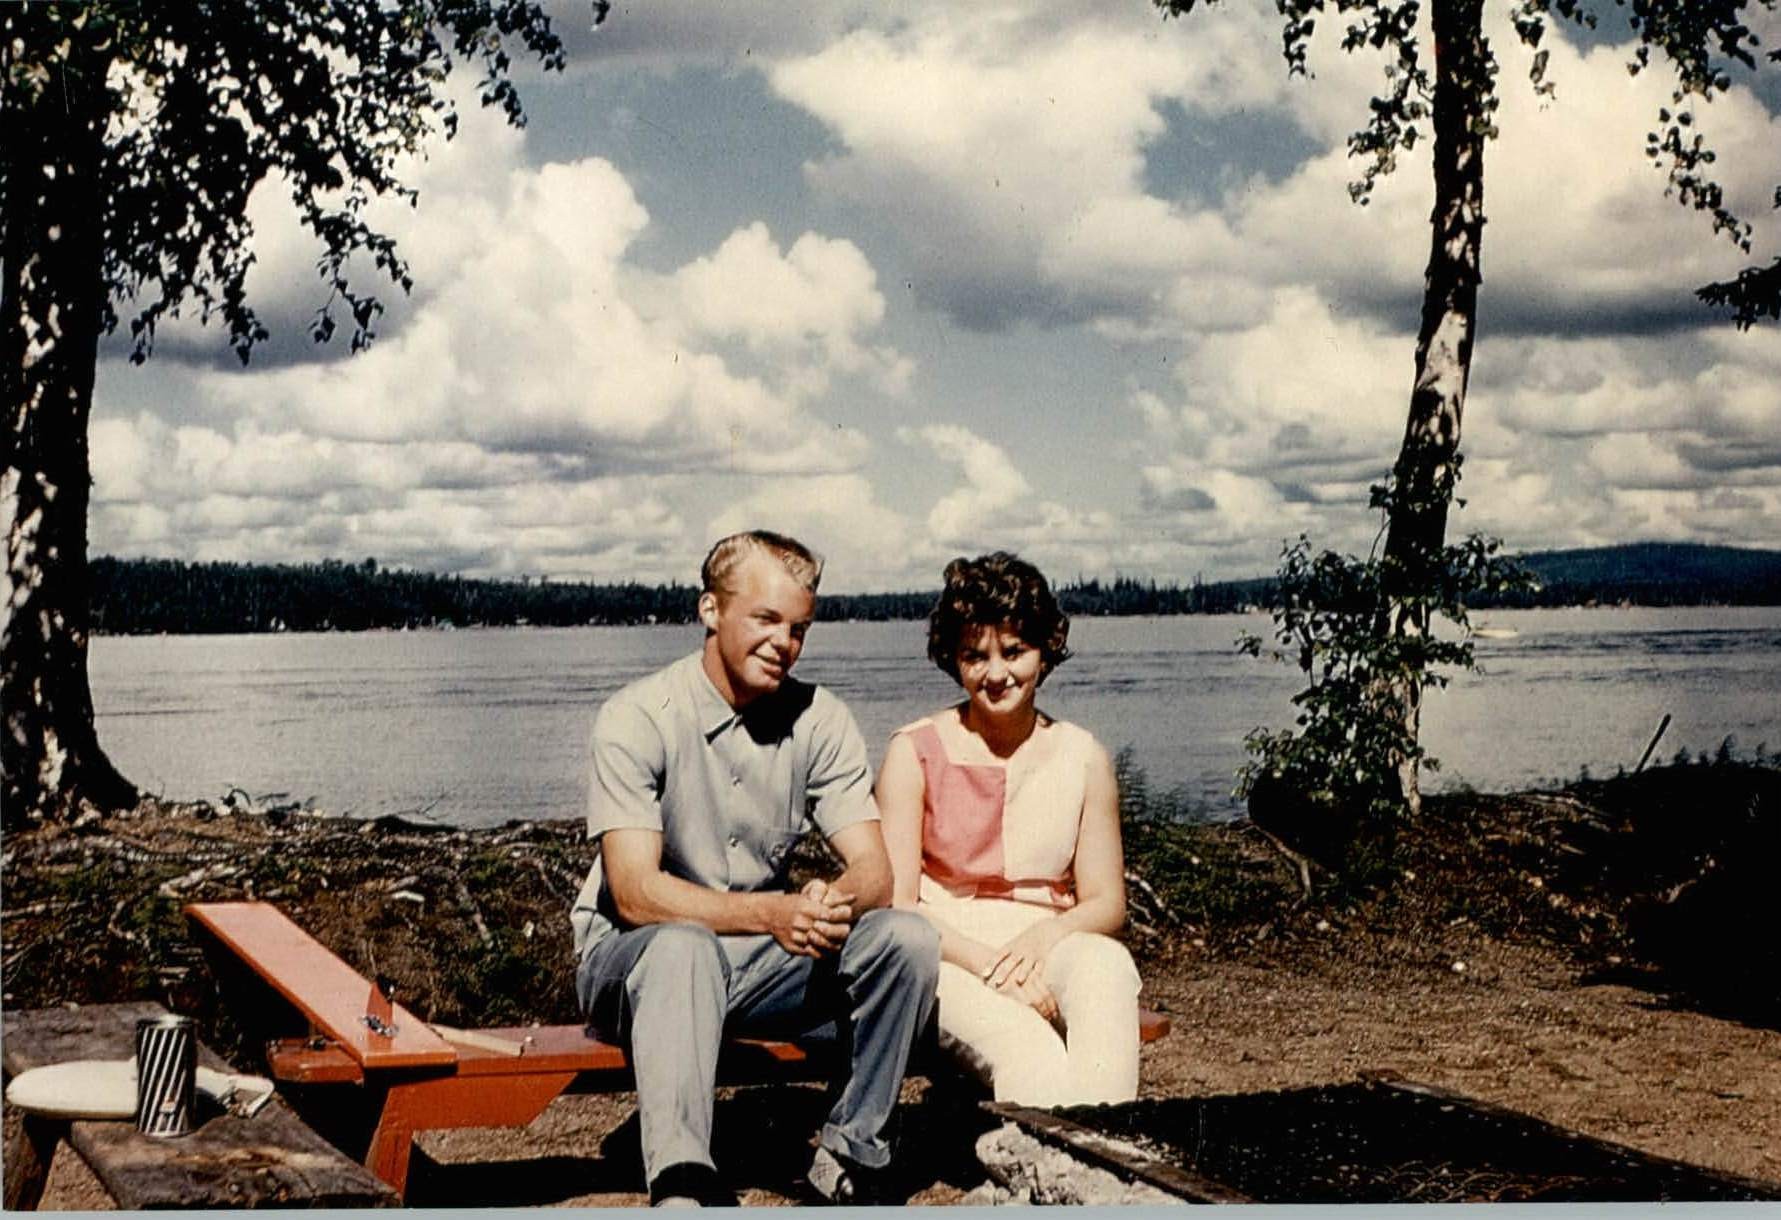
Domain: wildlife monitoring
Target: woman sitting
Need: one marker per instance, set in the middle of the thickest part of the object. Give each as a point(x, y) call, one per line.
point(1003, 829)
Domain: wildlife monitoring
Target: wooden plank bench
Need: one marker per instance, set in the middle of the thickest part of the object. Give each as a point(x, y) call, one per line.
point(413, 1077)
point(272, 1158)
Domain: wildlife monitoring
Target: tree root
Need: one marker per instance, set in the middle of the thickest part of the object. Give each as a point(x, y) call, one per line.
point(1302, 864)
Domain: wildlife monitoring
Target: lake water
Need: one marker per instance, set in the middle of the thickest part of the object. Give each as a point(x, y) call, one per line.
point(474, 727)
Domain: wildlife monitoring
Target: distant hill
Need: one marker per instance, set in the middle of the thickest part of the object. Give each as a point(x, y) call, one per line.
point(147, 596)
point(1654, 574)
point(1639, 573)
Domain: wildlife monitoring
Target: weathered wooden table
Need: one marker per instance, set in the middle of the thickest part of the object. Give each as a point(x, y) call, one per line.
point(271, 1159)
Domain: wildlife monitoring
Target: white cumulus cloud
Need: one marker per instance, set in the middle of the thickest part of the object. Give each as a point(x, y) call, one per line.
point(540, 365)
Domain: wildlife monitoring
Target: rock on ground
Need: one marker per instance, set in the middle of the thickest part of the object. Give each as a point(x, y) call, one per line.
point(1027, 1170)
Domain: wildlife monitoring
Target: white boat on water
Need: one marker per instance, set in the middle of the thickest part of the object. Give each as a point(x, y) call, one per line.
point(1487, 632)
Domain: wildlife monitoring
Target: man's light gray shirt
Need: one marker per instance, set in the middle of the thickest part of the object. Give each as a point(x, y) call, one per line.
point(730, 792)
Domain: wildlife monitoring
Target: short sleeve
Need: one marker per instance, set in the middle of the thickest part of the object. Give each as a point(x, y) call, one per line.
point(839, 786)
point(627, 764)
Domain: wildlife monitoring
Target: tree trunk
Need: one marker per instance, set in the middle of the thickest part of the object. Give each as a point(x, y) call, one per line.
point(1427, 469)
point(52, 307)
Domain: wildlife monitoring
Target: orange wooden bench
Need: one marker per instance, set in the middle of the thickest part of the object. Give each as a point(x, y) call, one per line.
point(417, 1077)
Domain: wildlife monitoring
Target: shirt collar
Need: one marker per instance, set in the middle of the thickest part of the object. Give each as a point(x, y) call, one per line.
point(714, 711)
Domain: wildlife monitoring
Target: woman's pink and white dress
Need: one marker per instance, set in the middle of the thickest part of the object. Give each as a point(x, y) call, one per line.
point(998, 845)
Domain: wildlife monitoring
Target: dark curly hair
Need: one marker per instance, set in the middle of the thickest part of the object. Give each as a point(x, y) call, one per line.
point(990, 591)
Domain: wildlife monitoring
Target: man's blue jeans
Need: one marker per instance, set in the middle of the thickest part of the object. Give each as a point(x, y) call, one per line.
point(669, 993)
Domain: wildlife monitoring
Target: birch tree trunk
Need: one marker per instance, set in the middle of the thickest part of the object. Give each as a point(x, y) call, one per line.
point(1427, 468)
point(52, 306)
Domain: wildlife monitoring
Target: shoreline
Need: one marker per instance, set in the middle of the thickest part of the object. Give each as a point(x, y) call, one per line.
point(1242, 612)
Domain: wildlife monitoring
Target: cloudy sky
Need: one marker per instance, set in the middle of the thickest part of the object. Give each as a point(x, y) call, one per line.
point(922, 279)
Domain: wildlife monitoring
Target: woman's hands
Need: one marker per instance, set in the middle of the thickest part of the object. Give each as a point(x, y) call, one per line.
point(1017, 969)
point(1031, 992)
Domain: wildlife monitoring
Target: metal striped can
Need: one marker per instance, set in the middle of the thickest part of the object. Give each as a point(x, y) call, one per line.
point(166, 1075)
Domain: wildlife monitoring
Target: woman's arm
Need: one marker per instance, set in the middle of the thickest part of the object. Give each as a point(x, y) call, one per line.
point(900, 792)
point(1100, 856)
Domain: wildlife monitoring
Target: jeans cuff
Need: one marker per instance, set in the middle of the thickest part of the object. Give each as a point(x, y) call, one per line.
point(874, 1154)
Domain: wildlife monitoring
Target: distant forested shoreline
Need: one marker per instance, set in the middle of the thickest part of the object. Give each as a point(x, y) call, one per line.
point(155, 596)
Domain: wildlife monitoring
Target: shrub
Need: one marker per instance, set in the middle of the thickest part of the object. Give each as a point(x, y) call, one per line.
point(1361, 633)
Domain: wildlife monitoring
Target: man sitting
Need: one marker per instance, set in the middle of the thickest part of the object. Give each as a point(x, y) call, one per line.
point(704, 776)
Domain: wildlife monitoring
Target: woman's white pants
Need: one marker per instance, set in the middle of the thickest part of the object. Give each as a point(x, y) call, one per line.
point(1022, 1056)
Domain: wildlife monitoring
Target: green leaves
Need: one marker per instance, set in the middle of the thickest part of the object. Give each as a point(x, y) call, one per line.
point(1753, 295)
point(209, 98)
point(1363, 631)
point(1703, 41)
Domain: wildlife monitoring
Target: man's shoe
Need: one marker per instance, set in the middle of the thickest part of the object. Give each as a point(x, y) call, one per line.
point(689, 1184)
point(836, 1181)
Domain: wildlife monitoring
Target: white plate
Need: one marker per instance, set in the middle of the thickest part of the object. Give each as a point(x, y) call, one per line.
point(105, 1088)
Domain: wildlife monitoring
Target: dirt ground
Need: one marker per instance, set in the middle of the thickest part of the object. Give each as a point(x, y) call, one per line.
point(1514, 1028)
point(1548, 953)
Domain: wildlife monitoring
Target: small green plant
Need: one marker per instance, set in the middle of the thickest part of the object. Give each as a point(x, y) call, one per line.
point(1362, 632)
point(1183, 860)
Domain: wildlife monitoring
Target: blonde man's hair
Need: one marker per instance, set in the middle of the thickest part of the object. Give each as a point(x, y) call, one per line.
point(727, 555)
